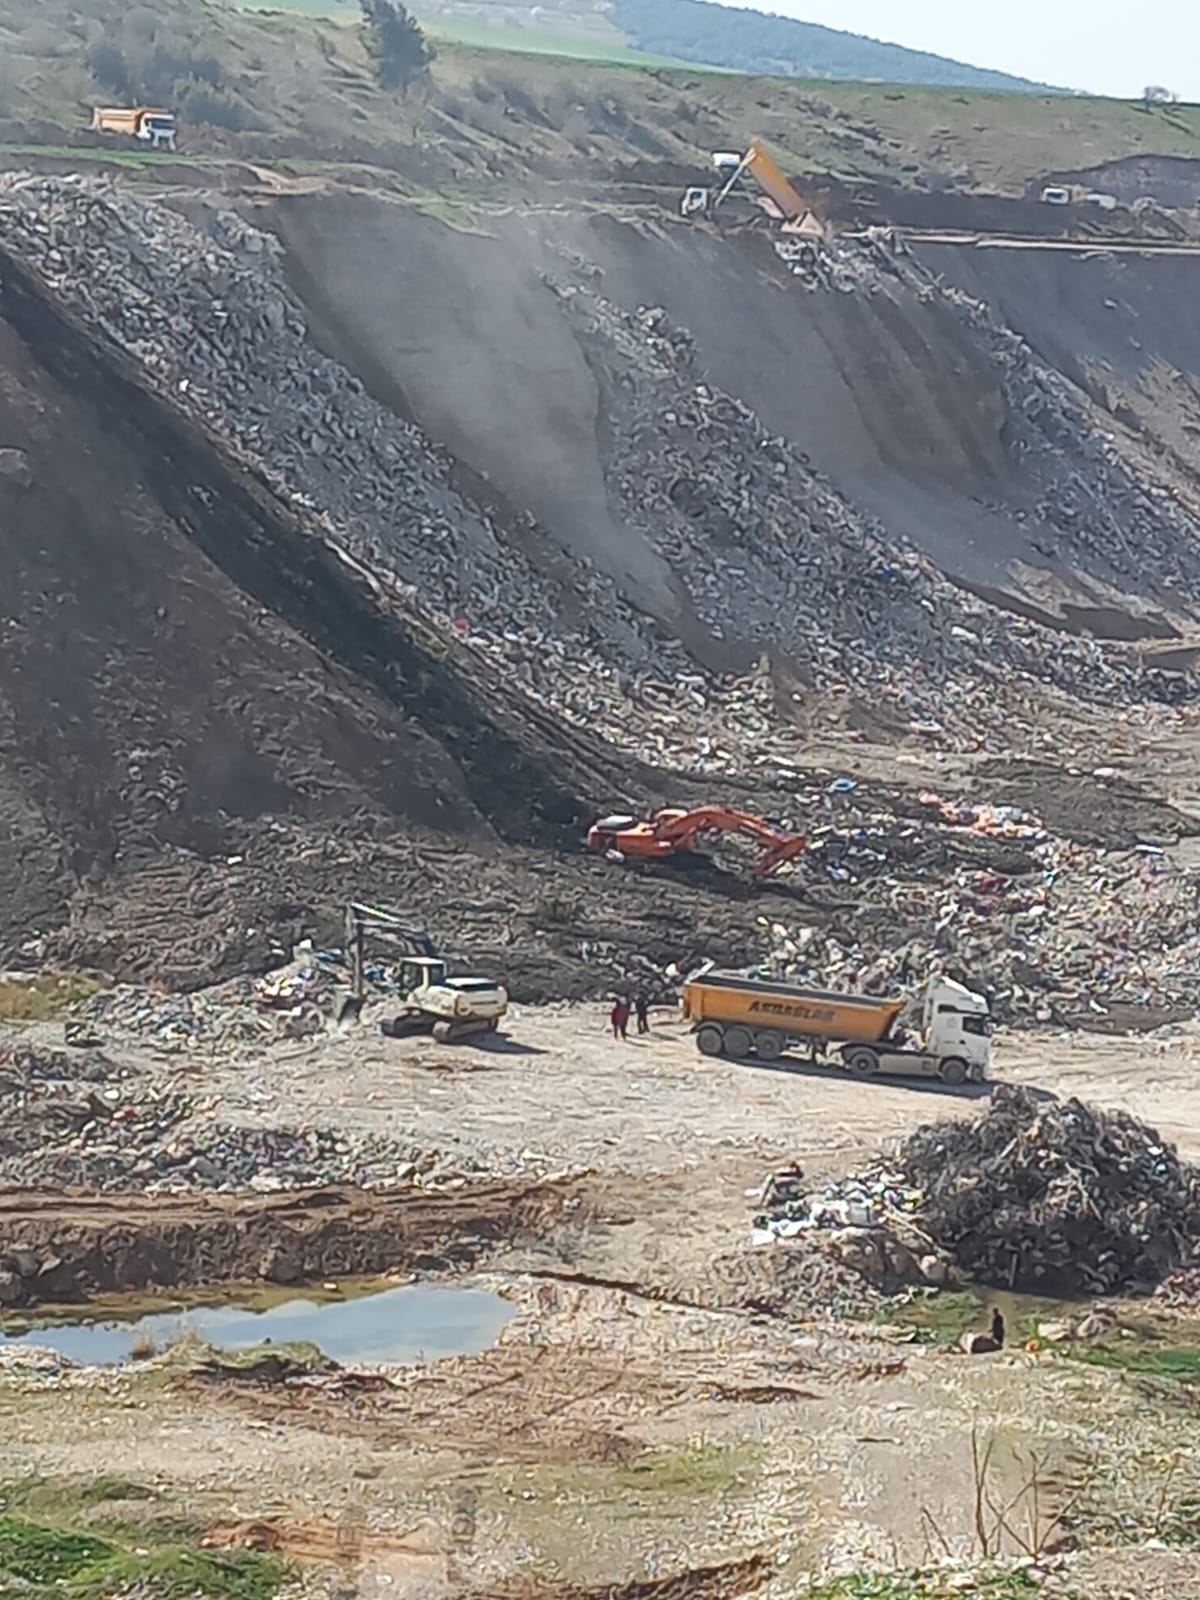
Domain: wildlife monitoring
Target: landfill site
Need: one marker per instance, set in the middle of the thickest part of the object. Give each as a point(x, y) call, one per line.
point(600, 872)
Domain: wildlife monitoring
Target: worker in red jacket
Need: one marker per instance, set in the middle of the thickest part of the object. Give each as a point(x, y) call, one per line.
point(619, 1017)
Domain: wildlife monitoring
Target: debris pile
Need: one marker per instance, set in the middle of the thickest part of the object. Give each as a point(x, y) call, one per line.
point(222, 1019)
point(120, 1136)
point(768, 549)
point(867, 1222)
point(864, 1200)
point(1055, 1197)
point(772, 552)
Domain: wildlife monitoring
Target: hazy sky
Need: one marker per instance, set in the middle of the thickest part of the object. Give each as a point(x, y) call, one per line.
point(1107, 46)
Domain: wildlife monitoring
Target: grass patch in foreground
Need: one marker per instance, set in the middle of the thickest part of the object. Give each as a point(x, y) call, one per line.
point(44, 997)
point(931, 1584)
point(39, 1562)
point(1180, 1364)
point(940, 1318)
point(694, 1470)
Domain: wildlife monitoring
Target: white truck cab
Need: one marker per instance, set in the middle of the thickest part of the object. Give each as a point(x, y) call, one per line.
point(957, 1025)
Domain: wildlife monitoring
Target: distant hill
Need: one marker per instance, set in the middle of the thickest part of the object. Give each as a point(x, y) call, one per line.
point(751, 41)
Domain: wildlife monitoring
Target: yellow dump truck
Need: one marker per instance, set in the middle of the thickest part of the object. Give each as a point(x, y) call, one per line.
point(746, 1017)
point(148, 123)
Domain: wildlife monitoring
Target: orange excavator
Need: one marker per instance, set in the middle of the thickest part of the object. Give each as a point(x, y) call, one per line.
point(673, 832)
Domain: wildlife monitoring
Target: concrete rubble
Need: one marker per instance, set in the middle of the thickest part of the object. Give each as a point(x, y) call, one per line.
point(841, 614)
point(868, 1221)
point(770, 552)
point(70, 1119)
point(1062, 939)
point(1055, 1197)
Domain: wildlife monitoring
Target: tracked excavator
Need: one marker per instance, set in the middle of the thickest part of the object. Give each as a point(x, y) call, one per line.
point(430, 1001)
point(673, 832)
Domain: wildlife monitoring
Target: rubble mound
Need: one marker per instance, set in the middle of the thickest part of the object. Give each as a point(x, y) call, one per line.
point(1055, 1197)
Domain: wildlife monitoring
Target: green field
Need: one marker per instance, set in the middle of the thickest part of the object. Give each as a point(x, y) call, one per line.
point(504, 100)
point(545, 42)
point(602, 46)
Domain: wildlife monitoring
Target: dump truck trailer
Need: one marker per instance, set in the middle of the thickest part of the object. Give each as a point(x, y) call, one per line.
point(747, 1018)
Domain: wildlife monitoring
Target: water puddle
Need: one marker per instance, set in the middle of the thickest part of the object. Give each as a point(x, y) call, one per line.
point(412, 1323)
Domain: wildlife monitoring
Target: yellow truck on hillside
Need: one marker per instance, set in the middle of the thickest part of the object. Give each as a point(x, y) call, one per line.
point(747, 1017)
point(152, 125)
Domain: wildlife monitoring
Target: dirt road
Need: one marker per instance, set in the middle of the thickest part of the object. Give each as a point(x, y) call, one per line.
point(557, 1083)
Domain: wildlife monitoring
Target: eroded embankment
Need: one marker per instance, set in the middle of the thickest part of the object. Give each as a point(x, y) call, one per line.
point(180, 653)
point(901, 396)
point(66, 1248)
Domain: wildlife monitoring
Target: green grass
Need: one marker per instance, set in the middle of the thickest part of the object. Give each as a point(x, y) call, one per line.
point(939, 1319)
point(473, 35)
point(40, 1562)
point(347, 9)
point(985, 1584)
point(45, 997)
point(51, 1497)
point(1180, 1364)
point(693, 1470)
point(606, 47)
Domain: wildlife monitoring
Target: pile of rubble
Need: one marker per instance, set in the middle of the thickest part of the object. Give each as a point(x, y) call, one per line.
point(768, 549)
point(1054, 1197)
point(208, 319)
point(59, 1130)
point(1072, 936)
point(214, 1020)
point(868, 1223)
point(1109, 522)
point(771, 551)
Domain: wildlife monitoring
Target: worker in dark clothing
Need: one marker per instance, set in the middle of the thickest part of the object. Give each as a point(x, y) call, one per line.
point(998, 1329)
point(642, 1007)
point(619, 1017)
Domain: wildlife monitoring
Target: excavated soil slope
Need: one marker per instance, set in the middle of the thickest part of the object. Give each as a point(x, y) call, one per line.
point(178, 660)
point(295, 616)
point(1124, 327)
point(894, 395)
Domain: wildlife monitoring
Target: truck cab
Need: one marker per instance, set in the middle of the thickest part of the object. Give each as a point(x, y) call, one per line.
point(957, 1026)
point(158, 129)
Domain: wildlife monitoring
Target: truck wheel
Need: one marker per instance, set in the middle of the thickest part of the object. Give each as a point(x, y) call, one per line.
point(738, 1041)
point(953, 1072)
point(710, 1042)
point(768, 1046)
point(861, 1062)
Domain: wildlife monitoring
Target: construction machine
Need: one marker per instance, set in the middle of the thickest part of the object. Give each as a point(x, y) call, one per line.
point(151, 124)
point(673, 832)
point(745, 1017)
point(777, 196)
point(430, 1000)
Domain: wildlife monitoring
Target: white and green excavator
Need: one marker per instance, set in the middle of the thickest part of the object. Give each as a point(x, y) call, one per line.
point(430, 1001)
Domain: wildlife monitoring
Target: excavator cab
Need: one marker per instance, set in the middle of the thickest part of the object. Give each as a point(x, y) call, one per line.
point(420, 973)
